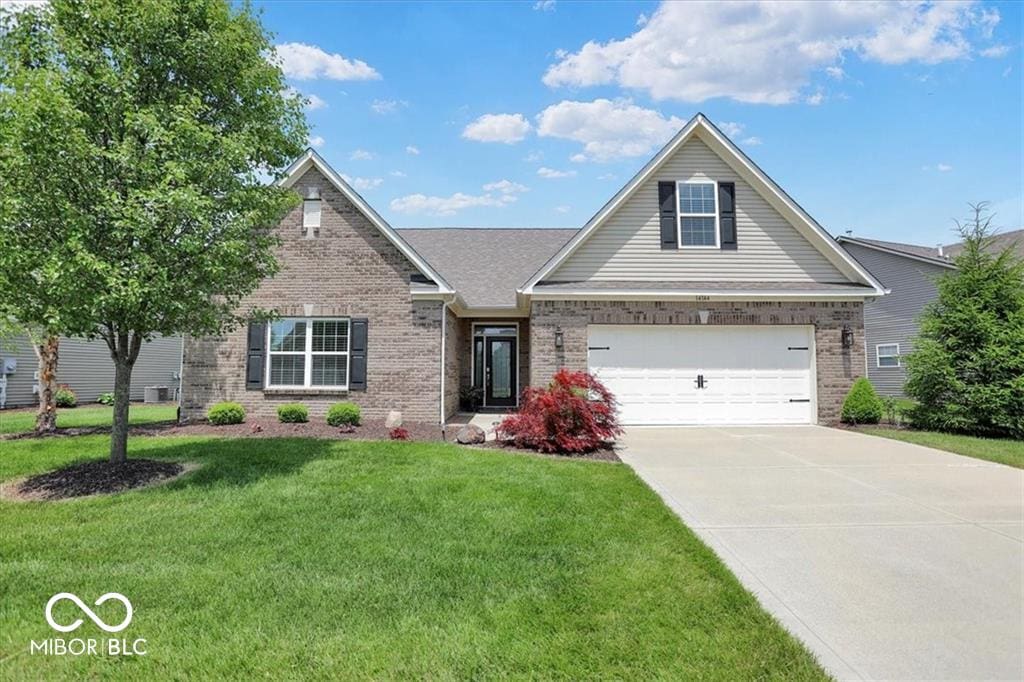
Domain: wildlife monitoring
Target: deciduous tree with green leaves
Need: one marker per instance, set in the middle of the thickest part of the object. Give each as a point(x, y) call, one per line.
point(966, 371)
point(135, 143)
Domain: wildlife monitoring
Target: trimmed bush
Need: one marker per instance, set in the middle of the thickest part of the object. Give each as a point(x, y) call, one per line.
point(862, 404)
point(226, 413)
point(292, 413)
point(105, 399)
point(343, 413)
point(399, 433)
point(65, 397)
point(573, 415)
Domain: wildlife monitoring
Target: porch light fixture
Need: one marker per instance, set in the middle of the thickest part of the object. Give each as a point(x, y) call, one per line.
point(559, 338)
point(847, 337)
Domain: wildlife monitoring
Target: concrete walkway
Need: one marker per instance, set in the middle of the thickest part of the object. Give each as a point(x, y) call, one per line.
point(889, 560)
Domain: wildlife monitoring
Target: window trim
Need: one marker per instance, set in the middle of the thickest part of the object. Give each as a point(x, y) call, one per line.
point(309, 354)
point(879, 356)
point(680, 215)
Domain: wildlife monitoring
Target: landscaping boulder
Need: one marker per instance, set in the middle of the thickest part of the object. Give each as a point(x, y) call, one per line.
point(394, 419)
point(470, 434)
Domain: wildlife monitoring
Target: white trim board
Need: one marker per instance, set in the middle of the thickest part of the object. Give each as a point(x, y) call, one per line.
point(758, 180)
point(312, 159)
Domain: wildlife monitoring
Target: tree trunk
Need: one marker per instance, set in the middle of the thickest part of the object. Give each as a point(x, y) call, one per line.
point(122, 394)
point(46, 352)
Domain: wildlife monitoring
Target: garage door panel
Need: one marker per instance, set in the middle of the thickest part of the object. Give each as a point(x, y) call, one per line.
point(752, 375)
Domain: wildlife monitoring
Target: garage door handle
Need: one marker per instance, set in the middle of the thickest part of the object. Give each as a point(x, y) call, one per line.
point(799, 400)
point(599, 347)
point(798, 348)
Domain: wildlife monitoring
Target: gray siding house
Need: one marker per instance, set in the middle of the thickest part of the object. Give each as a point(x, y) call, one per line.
point(87, 368)
point(891, 321)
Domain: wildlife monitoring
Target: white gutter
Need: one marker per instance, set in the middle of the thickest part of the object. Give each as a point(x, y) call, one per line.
point(444, 337)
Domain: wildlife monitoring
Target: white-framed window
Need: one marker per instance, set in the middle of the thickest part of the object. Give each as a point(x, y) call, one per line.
point(888, 354)
point(698, 214)
point(311, 216)
point(308, 352)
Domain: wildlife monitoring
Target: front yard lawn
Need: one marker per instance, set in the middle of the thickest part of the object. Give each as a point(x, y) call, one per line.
point(20, 421)
point(295, 558)
point(1001, 450)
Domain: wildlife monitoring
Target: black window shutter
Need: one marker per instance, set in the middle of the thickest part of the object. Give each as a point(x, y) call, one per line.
point(357, 353)
point(667, 214)
point(727, 214)
point(255, 356)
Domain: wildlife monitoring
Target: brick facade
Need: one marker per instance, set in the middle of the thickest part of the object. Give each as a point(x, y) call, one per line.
point(348, 269)
point(836, 367)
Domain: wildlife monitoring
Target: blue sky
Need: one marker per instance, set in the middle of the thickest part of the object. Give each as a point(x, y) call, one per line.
point(882, 119)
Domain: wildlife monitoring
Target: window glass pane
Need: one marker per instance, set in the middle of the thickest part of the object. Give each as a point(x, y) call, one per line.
point(311, 213)
point(697, 197)
point(698, 231)
point(287, 370)
point(888, 361)
point(330, 336)
point(330, 370)
point(888, 350)
point(288, 335)
point(478, 363)
point(501, 369)
point(496, 331)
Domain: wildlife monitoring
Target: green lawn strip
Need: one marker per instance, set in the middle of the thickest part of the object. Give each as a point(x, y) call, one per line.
point(290, 558)
point(1001, 450)
point(94, 415)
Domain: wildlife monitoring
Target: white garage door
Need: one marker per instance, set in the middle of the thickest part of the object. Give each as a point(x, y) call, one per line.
point(666, 374)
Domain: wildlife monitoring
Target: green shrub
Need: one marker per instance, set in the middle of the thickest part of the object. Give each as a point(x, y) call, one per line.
point(862, 404)
point(343, 413)
point(105, 399)
point(292, 413)
point(225, 413)
point(65, 397)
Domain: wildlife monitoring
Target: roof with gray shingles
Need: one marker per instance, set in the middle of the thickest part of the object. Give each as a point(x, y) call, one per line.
point(909, 249)
point(700, 286)
point(997, 243)
point(486, 265)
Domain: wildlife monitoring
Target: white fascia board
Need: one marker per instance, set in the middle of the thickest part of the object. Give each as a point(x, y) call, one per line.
point(878, 247)
point(768, 189)
point(583, 294)
point(311, 158)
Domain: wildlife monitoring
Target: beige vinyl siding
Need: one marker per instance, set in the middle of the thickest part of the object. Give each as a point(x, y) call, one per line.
point(628, 245)
point(86, 367)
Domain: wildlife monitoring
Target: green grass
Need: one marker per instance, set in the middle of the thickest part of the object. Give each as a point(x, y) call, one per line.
point(1003, 451)
point(295, 558)
point(94, 415)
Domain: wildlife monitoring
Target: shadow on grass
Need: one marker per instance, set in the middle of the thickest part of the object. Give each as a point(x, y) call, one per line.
point(240, 462)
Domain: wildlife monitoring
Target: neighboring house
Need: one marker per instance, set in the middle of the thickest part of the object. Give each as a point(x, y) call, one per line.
point(700, 294)
point(86, 367)
point(997, 243)
point(891, 322)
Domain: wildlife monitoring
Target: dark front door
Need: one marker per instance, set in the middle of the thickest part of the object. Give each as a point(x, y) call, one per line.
point(500, 379)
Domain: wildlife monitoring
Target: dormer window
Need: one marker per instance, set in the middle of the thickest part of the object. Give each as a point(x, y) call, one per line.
point(698, 214)
point(311, 212)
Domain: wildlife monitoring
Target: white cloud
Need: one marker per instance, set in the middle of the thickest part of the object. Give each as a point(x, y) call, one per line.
point(752, 141)
point(731, 129)
point(545, 5)
point(995, 51)
point(534, 157)
point(506, 187)
point(943, 167)
point(563, 209)
point(497, 194)
point(606, 176)
point(363, 184)
point(397, 174)
point(313, 103)
point(835, 72)
point(1007, 71)
point(767, 52)
point(815, 99)
point(306, 62)
point(415, 151)
point(361, 155)
point(608, 129)
point(316, 141)
point(506, 128)
point(552, 174)
point(388, 106)
point(642, 19)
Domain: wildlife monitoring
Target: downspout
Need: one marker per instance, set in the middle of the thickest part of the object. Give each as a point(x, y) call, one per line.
point(444, 339)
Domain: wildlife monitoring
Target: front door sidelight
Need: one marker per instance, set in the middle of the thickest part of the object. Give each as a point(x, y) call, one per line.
point(500, 373)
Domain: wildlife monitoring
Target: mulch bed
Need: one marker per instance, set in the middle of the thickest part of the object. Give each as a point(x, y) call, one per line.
point(606, 454)
point(96, 478)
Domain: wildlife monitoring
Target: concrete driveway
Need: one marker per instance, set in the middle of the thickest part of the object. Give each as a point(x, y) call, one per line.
point(889, 560)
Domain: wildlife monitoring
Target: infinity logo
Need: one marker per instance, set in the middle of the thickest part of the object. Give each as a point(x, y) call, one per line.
point(89, 612)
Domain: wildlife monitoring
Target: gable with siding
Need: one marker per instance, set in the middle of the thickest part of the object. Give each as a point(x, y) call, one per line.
point(627, 246)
